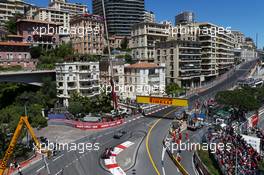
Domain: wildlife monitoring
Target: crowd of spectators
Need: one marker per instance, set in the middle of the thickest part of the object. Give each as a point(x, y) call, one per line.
point(241, 154)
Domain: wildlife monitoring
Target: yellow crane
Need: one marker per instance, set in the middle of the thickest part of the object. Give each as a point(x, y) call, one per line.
point(23, 120)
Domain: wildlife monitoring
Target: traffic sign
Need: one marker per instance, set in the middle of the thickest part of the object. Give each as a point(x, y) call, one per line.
point(162, 101)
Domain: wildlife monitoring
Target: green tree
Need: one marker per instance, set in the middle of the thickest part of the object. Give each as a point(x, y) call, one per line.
point(124, 43)
point(75, 107)
point(243, 99)
point(173, 89)
point(49, 91)
point(49, 58)
point(64, 50)
point(35, 52)
point(10, 25)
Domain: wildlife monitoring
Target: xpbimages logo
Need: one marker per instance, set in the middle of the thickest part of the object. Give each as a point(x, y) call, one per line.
point(140, 89)
point(188, 146)
point(196, 30)
point(81, 147)
point(61, 30)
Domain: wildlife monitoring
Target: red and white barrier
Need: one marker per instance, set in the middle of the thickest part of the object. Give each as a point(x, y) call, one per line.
point(102, 125)
point(111, 163)
point(90, 125)
point(157, 110)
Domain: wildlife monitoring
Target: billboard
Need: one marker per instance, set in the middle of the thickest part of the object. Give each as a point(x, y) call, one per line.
point(162, 101)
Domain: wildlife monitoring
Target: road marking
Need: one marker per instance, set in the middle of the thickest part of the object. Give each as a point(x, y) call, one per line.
point(194, 169)
point(147, 141)
point(40, 169)
point(58, 157)
point(162, 160)
point(58, 172)
point(147, 146)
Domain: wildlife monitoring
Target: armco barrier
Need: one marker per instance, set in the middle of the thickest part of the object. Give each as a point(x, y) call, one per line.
point(200, 167)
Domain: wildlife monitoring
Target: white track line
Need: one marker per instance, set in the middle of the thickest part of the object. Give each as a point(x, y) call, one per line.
point(58, 157)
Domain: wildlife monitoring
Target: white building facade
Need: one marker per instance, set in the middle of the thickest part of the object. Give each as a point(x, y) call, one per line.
point(9, 8)
point(144, 37)
point(71, 8)
point(145, 79)
point(80, 77)
point(53, 15)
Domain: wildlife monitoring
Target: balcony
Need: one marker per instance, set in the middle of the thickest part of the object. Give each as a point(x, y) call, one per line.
point(72, 87)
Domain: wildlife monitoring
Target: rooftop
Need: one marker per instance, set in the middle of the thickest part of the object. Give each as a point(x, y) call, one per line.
point(35, 21)
point(15, 36)
point(4, 43)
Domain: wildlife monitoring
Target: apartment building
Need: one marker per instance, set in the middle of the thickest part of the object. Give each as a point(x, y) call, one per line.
point(144, 78)
point(30, 32)
point(183, 62)
point(16, 54)
point(239, 39)
point(91, 39)
point(72, 8)
point(8, 9)
point(115, 41)
point(57, 16)
point(149, 16)
point(118, 71)
point(144, 36)
point(245, 48)
point(81, 77)
point(121, 15)
point(217, 45)
point(184, 18)
point(31, 11)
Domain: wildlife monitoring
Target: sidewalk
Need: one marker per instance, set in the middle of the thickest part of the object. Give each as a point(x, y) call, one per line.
point(26, 164)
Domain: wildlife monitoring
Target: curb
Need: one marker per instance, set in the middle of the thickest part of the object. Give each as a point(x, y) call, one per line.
point(111, 163)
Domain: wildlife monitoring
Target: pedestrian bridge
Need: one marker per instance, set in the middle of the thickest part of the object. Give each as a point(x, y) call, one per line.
point(27, 77)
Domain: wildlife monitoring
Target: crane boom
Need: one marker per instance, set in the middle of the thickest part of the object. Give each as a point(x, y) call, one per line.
point(11, 147)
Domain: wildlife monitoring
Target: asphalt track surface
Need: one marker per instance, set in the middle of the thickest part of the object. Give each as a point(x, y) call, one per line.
point(148, 160)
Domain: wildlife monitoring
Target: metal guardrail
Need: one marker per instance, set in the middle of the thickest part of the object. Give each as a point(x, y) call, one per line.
point(174, 159)
point(199, 165)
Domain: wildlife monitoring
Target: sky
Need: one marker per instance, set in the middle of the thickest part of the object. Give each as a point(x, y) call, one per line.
point(244, 15)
